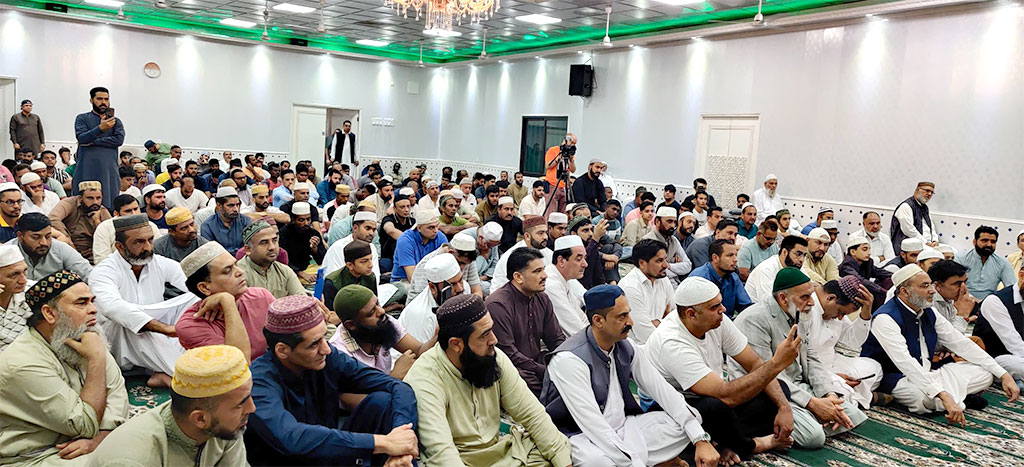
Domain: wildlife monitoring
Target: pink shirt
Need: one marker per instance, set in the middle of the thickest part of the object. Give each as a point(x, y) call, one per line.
point(252, 305)
point(632, 215)
point(381, 360)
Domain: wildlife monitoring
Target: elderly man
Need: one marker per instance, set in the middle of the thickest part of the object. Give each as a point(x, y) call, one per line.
point(534, 203)
point(904, 334)
point(76, 217)
point(535, 235)
point(563, 287)
point(664, 230)
point(767, 325)
point(764, 247)
point(721, 271)
point(10, 209)
point(44, 256)
point(155, 200)
point(605, 424)
point(202, 424)
point(260, 262)
point(881, 243)
point(818, 264)
point(303, 243)
point(182, 235)
point(226, 226)
point(463, 248)
point(230, 312)
point(103, 237)
point(911, 219)
point(986, 269)
point(648, 288)
point(14, 312)
point(187, 195)
point(699, 252)
point(747, 415)
point(1000, 324)
point(767, 199)
point(296, 424)
point(524, 317)
point(37, 197)
point(61, 392)
point(505, 216)
point(464, 383)
point(131, 288)
point(910, 248)
point(488, 237)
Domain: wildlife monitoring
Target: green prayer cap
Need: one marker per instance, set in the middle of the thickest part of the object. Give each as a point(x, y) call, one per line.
point(575, 223)
point(350, 299)
point(788, 278)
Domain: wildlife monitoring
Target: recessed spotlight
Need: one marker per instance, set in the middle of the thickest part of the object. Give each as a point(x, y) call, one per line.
point(539, 19)
point(869, 15)
point(579, 51)
point(438, 32)
point(110, 3)
point(632, 45)
point(237, 23)
point(537, 57)
point(291, 8)
point(372, 42)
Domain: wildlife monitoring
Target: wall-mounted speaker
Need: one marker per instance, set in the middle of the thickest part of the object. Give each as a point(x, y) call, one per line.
point(581, 80)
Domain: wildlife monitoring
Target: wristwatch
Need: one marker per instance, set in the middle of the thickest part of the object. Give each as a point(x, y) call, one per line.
point(703, 437)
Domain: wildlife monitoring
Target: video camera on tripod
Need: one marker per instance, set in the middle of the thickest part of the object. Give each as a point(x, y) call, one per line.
point(565, 153)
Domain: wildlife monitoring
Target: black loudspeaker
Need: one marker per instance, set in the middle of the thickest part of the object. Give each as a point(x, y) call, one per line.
point(581, 80)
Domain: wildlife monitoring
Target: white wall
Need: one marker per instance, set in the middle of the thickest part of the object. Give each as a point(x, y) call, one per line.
point(855, 113)
point(211, 94)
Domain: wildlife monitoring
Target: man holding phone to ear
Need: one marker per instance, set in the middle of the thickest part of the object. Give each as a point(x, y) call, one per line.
point(99, 134)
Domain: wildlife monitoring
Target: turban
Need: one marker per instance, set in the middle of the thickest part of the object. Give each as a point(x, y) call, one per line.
point(90, 185)
point(788, 278)
point(350, 299)
point(49, 287)
point(10, 254)
point(135, 221)
point(441, 268)
point(300, 208)
point(566, 242)
point(911, 244)
point(210, 371)
point(292, 314)
point(463, 242)
point(252, 229)
point(905, 273)
point(460, 310)
point(427, 216)
point(850, 285)
point(577, 222)
point(492, 231)
point(558, 218)
point(532, 222)
point(355, 250)
point(200, 257)
point(177, 215)
point(695, 290)
point(602, 297)
point(33, 222)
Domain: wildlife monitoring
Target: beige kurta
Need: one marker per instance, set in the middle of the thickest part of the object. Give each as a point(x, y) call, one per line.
point(460, 423)
point(154, 439)
point(40, 406)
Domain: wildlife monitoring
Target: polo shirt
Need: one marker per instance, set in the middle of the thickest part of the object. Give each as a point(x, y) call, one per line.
point(230, 237)
point(410, 249)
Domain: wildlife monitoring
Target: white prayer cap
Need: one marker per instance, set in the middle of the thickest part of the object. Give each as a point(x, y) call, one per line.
point(441, 268)
point(463, 242)
point(666, 211)
point(427, 216)
point(154, 187)
point(819, 233)
point(407, 191)
point(566, 242)
point(361, 216)
point(695, 290)
point(432, 183)
point(595, 161)
point(830, 224)
point(943, 248)
point(492, 232)
point(906, 272)
point(911, 244)
point(770, 177)
point(10, 254)
point(457, 194)
point(824, 209)
point(855, 240)
point(685, 214)
point(506, 200)
point(747, 205)
point(29, 177)
point(558, 218)
point(226, 192)
point(301, 186)
point(8, 186)
point(465, 181)
point(200, 257)
point(36, 165)
point(929, 253)
point(299, 208)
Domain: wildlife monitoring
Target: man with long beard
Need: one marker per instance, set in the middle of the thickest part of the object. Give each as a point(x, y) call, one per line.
point(664, 230)
point(912, 219)
point(61, 392)
point(767, 199)
point(202, 424)
point(767, 324)
point(132, 289)
point(76, 217)
point(462, 386)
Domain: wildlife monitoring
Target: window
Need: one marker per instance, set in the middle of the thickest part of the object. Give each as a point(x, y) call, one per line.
point(539, 134)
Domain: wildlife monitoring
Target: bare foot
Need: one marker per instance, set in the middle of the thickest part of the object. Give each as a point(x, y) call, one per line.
point(676, 462)
point(159, 380)
point(728, 457)
point(769, 442)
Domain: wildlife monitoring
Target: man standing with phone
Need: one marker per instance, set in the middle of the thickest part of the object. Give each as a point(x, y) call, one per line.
point(99, 135)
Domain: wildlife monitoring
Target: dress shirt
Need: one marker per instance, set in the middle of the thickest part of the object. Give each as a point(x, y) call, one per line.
point(905, 215)
point(890, 337)
point(567, 300)
point(983, 278)
point(881, 246)
point(999, 317)
point(761, 280)
point(734, 296)
point(229, 237)
point(521, 324)
point(648, 302)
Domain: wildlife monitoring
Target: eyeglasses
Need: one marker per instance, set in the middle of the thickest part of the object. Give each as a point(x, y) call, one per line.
point(12, 202)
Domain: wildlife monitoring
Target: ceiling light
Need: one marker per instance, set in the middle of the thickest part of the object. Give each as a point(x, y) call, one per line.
point(372, 42)
point(237, 23)
point(579, 51)
point(537, 57)
point(632, 45)
point(293, 8)
point(539, 19)
point(438, 32)
point(110, 3)
point(680, 2)
point(869, 15)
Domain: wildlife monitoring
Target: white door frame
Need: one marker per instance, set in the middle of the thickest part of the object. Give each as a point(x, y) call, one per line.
point(708, 122)
point(9, 107)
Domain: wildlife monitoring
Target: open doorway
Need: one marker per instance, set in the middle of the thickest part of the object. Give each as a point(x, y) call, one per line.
point(336, 119)
point(313, 131)
point(8, 107)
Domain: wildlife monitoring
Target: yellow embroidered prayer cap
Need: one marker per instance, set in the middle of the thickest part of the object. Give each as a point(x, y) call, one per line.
point(210, 371)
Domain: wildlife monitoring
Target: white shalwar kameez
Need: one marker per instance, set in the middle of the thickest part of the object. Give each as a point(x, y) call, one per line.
point(851, 331)
point(567, 300)
point(501, 275)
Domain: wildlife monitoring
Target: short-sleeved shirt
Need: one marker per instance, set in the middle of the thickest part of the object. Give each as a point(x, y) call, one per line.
point(252, 306)
point(550, 173)
point(751, 254)
point(387, 244)
point(683, 359)
point(381, 359)
point(410, 249)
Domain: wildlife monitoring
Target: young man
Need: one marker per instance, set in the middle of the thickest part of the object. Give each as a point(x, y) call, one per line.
point(648, 288)
point(792, 254)
point(535, 235)
point(762, 248)
point(721, 271)
point(303, 243)
point(416, 243)
point(154, 199)
point(563, 286)
point(261, 207)
point(358, 270)
point(392, 226)
point(182, 235)
point(986, 270)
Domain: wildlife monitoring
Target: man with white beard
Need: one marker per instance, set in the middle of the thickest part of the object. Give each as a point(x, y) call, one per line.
point(767, 199)
point(131, 289)
point(61, 392)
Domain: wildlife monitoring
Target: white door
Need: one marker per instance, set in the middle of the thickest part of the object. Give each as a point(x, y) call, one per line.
point(8, 107)
point(336, 119)
point(308, 135)
point(727, 155)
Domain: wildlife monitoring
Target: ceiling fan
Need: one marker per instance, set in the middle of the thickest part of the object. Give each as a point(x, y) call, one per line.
point(757, 22)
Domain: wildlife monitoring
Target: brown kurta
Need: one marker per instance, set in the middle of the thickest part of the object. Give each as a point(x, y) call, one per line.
point(521, 324)
point(70, 218)
point(27, 132)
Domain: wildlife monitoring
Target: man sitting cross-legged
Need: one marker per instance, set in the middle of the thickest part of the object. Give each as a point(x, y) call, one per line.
point(746, 415)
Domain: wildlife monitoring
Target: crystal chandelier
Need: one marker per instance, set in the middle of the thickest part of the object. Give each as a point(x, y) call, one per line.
point(442, 14)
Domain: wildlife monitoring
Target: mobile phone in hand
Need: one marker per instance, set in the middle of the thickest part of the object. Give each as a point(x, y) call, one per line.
point(872, 375)
point(110, 112)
